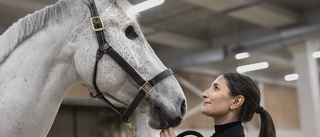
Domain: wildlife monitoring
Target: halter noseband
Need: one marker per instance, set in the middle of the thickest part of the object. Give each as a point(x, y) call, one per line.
point(105, 48)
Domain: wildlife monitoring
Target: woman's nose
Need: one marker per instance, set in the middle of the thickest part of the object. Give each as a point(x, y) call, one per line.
point(204, 95)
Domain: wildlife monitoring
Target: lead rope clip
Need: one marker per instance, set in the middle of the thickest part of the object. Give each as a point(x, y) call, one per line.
point(132, 128)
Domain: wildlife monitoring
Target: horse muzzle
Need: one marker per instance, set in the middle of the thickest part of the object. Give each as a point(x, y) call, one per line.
point(162, 116)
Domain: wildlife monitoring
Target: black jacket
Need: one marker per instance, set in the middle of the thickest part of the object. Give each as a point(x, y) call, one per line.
point(236, 131)
point(233, 129)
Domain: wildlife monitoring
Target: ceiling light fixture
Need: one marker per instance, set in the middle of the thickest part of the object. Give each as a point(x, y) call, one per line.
point(316, 54)
point(145, 5)
point(252, 67)
point(242, 55)
point(291, 77)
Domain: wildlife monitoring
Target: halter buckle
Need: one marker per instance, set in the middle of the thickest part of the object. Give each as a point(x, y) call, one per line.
point(146, 85)
point(94, 27)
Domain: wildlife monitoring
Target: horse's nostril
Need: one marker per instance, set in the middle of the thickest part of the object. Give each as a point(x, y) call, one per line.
point(157, 109)
point(178, 119)
point(183, 108)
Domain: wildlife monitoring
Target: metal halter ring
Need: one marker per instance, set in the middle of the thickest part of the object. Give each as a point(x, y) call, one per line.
point(146, 84)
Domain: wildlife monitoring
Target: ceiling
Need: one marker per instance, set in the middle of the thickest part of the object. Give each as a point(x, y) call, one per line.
point(202, 36)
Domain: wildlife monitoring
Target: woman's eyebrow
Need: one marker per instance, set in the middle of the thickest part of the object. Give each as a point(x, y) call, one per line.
point(216, 84)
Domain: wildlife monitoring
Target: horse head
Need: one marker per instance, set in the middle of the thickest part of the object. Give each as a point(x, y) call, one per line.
point(165, 105)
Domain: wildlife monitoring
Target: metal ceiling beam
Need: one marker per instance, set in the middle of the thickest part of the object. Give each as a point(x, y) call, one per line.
point(185, 42)
point(219, 5)
point(23, 4)
point(175, 40)
point(191, 59)
point(203, 17)
point(265, 15)
point(283, 38)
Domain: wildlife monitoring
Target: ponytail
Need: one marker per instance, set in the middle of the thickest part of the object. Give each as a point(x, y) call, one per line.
point(267, 128)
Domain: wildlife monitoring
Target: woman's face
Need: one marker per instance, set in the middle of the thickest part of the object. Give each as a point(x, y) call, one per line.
point(217, 100)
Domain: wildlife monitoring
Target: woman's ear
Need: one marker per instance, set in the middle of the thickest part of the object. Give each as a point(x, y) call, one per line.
point(239, 100)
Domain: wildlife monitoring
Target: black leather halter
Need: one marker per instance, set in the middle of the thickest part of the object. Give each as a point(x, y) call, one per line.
point(105, 48)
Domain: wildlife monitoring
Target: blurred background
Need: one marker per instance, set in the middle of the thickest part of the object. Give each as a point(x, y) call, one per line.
point(199, 39)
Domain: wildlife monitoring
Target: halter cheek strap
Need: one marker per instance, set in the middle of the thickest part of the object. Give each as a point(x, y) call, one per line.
point(146, 86)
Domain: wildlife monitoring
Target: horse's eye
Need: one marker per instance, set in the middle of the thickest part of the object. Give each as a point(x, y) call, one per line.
point(130, 33)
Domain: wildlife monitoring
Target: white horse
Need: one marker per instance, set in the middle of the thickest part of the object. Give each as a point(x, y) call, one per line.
point(44, 53)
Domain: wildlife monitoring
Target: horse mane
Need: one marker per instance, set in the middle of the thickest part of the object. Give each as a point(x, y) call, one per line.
point(32, 23)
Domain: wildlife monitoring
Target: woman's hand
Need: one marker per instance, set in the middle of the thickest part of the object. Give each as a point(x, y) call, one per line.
point(167, 133)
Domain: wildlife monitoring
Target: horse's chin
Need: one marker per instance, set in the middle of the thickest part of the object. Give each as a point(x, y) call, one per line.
point(162, 124)
point(161, 121)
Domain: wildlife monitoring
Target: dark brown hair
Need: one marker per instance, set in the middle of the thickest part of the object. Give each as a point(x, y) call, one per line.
point(243, 85)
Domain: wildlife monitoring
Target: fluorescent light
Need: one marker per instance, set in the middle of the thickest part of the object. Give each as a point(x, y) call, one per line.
point(242, 55)
point(316, 54)
point(291, 77)
point(145, 5)
point(252, 67)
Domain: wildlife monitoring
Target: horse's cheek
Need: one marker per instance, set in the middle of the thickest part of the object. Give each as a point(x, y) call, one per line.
point(84, 66)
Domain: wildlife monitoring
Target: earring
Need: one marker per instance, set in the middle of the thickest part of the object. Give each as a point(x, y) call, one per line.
point(232, 109)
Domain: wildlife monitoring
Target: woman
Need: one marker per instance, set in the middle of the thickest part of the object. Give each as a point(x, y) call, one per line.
point(231, 100)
